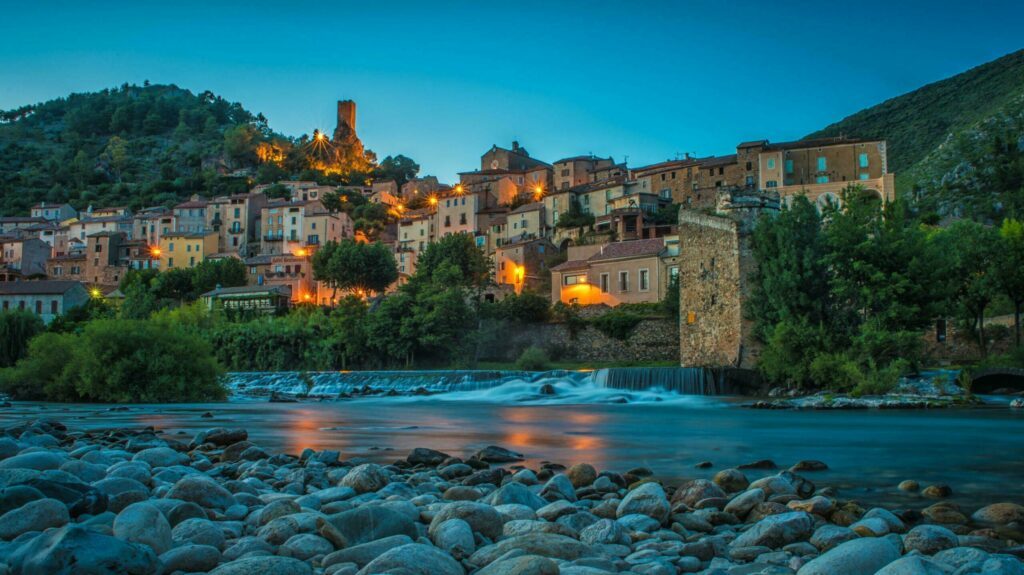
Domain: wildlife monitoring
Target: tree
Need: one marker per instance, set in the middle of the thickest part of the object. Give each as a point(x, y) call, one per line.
point(350, 265)
point(225, 272)
point(473, 268)
point(240, 143)
point(16, 329)
point(399, 168)
point(278, 192)
point(972, 250)
point(1009, 268)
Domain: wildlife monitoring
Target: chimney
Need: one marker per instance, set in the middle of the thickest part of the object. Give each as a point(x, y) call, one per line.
point(515, 146)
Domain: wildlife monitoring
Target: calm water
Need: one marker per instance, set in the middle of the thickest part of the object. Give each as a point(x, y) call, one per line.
point(979, 452)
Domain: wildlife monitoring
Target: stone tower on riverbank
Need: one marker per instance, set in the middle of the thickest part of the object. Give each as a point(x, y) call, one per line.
point(716, 262)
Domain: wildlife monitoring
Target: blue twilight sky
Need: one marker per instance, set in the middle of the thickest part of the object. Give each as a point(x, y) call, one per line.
point(442, 81)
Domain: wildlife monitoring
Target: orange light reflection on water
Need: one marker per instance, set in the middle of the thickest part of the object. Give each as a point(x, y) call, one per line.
point(527, 430)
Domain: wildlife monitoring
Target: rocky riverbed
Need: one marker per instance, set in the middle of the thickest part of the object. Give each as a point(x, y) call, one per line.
point(138, 501)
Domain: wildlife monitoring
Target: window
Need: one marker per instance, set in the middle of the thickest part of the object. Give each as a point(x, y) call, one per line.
point(750, 180)
point(604, 283)
point(863, 176)
point(574, 280)
point(170, 247)
point(673, 175)
point(771, 163)
point(771, 184)
point(99, 247)
point(822, 164)
point(789, 166)
point(863, 160)
point(673, 273)
point(238, 212)
point(666, 194)
point(39, 307)
point(53, 307)
point(749, 166)
point(623, 281)
point(821, 179)
point(645, 280)
point(170, 262)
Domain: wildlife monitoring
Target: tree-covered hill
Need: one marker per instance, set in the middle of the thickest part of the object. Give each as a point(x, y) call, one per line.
point(957, 144)
point(156, 145)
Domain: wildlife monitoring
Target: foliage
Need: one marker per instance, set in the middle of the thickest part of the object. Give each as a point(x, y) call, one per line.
point(472, 268)
point(350, 266)
point(16, 329)
point(569, 314)
point(670, 305)
point(117, 361)
point(1009, 271)
point(575, 218)
point(533, 358)
point(617, 324)
point(399, 168)
point(527, 307)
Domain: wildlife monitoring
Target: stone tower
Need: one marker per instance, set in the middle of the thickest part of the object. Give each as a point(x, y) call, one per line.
point(346, 120)
point(714, 281)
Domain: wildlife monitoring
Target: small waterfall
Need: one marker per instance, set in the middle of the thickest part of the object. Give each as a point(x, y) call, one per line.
point(334, 382)
point(681, 380)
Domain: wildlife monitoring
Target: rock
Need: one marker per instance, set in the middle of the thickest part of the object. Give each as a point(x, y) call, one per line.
point(829, 536)
point(957, 557)
point(558, 487)
point(761, 464)
point(914, 565)
point(481, 518)
point(203, 491)
point(369, 523)
point(190, 559)
point(871, 527)
point(8, 447)
point(365, 478)
point(305, 546)
point(648, 499)
point(808, 465)
point(744, 502)
point(495, 454)
point(945, 513)
point(17, 495)
point(817, 505)
point(999, 514)
point(775, 485)
point(522, 565)
point(544, 544)
point(246, 545)
point(198, 532)
point(909, 485)
point(73, 549)
point(462, 493)
point(424, 456)
point(639, 522)
point(220, 436)
point(161, 457)
point(556, 509)
point(605, 532)
point(515, 493)
point(938, 491)
point(777, 530)
point(78, 497)
point(264, 565)
point(414, 559)
point(37, 460)
point(697, 490)
point(185, 510)
point(455, 537)
point(704, 465)
point(856, 557)
point(929, 539)
point(731, 480)
point(581, 475)
point(143, 523)
point(366, 552)
point(33, 516)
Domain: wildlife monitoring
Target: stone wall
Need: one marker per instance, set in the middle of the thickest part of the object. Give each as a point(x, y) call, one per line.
point(653, 339)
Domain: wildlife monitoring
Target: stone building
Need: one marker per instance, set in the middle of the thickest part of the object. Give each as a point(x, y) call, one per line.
point(636, 271)
point(716, 262)
point(45, 298)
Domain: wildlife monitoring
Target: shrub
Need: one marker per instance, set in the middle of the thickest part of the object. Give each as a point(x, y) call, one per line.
point(41, 373)
point(570, 316)
point(527, 307)
point(533, 358)
point(617, 324)
point(16, 329)
point(836, 371)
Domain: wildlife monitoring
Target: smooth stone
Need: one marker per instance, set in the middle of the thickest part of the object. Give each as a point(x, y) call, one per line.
point(143, 523)
point(203, 491)
point(829, 536)
point(856, 557)
point(816, 505)
point(481, 517)
point(522, 565)
point(305, 546)
point(190, 559)
point(36, 460)
point(581, 475)
point(495, 454)
point(999, 514)
point(777, 530)
point(198, 532)
point(929, 539)
point(369, 523)
point(895, 524)
point(809, 465)
point(414, 559)
point(455, 537)
point(15, 496)
point(246, 545)
point(914, 565)
point(220, 436)
point(424, 456)
point(744, 502)
point(558, 487)
point(161, 457)
point(605, 532)
point(731, 480)
point(545, 544)
point(698, 489)
point(639, 522)
point(871, 527)
point(366, 552)
point(515, 493)
point(35, 515)
point(73, 549)
point(957, 557)
point(264, 565)
point(909, 485)
point(647, 499)
point(365, 478)
point(938, 491)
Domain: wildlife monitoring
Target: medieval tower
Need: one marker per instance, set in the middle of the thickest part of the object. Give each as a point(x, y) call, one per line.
point(346, 120)
point(714, 281)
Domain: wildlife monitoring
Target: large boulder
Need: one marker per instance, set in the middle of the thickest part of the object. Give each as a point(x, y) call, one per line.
point(264, 565)
point(648, 499)
point(558, 487)
point(33, 516)
point(369, 523)
point(161, 457)
point(495, 454)
point(73, 549)
point(364, 553)
point(549, 545)
point(455, 537)
point(999, 514)
point(414, 559)
point(481, 517)
point(203, 491)
point(856, 557)
point(581, 475)
point(190, 559)
point(36, 460)
point(143, 523)
point(929, 539)
point(365, 478)
point(775, 531)
point(514, 492)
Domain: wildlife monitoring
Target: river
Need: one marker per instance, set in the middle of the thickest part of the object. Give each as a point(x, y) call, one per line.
point(979, 451)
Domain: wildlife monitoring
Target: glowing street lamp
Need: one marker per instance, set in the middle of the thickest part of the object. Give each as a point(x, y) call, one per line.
point(433, 200)
point(459, 189)
point(96, 293)
point(154, 252)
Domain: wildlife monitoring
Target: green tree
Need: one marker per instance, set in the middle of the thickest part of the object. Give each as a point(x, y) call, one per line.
point(17, 328)
point(473, 268)
point(224, 272)
point(350, 265)
point(973, 252)
point(398, 168)
point(1009, 268)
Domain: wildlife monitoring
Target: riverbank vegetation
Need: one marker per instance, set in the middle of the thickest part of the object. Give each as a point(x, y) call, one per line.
point(842, 296)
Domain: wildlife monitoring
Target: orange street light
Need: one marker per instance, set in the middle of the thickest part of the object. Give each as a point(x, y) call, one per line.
point(301, 253)
point(459, 189)
point(318, 135)
point(433, 200)
point(154, 252)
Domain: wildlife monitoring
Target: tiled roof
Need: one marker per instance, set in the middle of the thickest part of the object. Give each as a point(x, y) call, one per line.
point(629, 249)
point(243, 290)
point(531, 207)
point(200, 203)
point(48, 287)
point(21, 220)
point(570, 265)
point(258, 260)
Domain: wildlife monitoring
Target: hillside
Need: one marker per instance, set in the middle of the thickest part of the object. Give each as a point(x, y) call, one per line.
point(954, 141)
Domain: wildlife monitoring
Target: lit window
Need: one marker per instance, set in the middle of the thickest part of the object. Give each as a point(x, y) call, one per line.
point(863, 176)
point(574, 280)
point(771, 163)
point(863, 160)
point(822, 164)
point(821, 179)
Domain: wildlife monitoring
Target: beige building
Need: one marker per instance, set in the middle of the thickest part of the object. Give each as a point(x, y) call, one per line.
point(291, 226)
point(636, 271)
point(526, 222)
point(577, 170)
point(521, 263)
point(186, 249)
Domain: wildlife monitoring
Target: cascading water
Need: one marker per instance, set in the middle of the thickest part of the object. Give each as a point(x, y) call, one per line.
point(612, 385)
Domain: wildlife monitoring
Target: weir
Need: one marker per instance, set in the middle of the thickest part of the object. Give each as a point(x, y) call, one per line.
point(675, 380)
